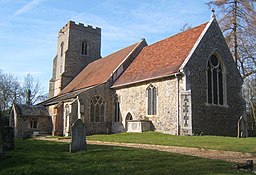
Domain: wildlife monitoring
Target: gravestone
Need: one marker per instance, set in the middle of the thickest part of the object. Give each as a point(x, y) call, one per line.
point(1, 138)
point(8, 138)
point(27, 134)
point(78, 136)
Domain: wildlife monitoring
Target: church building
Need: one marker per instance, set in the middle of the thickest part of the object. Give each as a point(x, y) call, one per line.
point(187, 84)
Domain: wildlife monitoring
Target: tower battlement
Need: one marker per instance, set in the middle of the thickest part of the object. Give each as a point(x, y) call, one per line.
point(78, 45)
point(79, 26)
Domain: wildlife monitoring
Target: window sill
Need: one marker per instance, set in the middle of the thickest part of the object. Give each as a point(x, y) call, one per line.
point(155, 115)
point(214, 105)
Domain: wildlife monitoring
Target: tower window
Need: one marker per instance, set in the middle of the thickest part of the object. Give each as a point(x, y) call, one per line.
point(85, 48)
point(215, 81)
point(152, 104)
point(61, 49)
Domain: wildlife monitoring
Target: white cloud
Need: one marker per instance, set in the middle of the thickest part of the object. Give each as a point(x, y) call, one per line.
point(27, 7)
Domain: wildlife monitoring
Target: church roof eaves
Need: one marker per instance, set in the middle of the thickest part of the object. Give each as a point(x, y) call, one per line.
point(63, 97)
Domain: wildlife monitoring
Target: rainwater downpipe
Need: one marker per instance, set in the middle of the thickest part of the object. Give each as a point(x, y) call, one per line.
point(78, 108)
point(177, 104)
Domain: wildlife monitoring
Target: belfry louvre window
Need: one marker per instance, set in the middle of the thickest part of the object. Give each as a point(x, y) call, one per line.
point(61, 49)
point(97, 109)
point(215, 81)
point(152, 101)
point(85, 48)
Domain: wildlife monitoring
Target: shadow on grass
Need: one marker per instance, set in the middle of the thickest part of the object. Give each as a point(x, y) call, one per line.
point(44, 157)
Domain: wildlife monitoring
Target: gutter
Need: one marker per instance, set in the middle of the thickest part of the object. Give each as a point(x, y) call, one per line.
point(139, 81)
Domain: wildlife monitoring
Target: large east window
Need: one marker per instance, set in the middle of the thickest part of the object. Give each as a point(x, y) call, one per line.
point(215, 81)
point(97, 109)
point(152, 100)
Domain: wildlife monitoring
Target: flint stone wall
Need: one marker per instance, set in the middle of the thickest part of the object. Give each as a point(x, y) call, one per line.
point(133, 100)
point(211, 119)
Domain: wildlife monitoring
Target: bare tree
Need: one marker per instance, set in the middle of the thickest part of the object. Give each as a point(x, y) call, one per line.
point(249, 94)
point(238, 22)
point(31, 91)
point(9, 91)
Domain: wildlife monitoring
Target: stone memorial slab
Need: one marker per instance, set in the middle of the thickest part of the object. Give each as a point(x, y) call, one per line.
point(78, 137)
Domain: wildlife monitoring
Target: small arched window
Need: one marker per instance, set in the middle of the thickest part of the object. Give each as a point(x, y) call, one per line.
point(61, 49)
point(215, 81)
point(85, 48)
point(152, 101)
point(33, 123)
point(97, 109)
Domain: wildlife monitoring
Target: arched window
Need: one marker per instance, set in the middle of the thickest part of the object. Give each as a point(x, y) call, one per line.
point(152, 101)
point(97, 109)
point(33, 123)
point(117, 109)
point(85, 47)
point(215, 81)
point(61, 49)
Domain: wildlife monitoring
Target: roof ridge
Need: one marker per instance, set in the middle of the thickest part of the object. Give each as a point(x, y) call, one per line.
point(189, 30)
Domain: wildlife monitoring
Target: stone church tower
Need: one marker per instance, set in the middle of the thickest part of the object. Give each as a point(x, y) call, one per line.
point(78, 45)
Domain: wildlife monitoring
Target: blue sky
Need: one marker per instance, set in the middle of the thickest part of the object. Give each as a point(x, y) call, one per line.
point(29, 28)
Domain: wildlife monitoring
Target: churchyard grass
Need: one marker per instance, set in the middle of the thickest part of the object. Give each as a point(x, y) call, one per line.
point(47, 157)
point(203, 142)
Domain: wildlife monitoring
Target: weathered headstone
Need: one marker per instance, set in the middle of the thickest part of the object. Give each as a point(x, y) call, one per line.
point(27, 134)
point(1, 138)
point(8, 138)
point(78, 136)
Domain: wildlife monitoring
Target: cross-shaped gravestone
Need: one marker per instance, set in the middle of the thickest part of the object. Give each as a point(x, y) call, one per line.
point(78, 137)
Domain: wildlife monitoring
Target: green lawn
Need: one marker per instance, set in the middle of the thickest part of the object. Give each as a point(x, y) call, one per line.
point(45, 157)
point(205, 142)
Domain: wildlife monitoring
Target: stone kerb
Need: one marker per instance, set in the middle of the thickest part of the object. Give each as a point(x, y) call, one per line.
point(78, 137)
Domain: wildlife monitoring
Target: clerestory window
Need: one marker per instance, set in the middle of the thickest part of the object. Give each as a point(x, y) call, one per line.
point(97, 109)
point(215, 81)
point(152, 100)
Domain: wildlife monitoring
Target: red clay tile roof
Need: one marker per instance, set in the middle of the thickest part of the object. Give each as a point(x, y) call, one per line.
point(98, 71)
point(162, 58)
